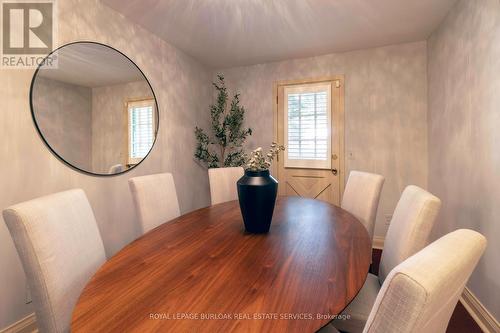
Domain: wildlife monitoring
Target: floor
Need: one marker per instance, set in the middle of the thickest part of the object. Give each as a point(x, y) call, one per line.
point(460, 322)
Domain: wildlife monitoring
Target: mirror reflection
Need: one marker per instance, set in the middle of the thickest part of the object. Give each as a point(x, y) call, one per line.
point(95, 110)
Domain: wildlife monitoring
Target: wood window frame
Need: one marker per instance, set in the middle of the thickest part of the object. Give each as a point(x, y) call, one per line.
point(312, 163)
point(134, 161)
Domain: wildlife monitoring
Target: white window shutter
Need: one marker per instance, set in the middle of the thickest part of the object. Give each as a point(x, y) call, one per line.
point(307, 115)
point(141, 129)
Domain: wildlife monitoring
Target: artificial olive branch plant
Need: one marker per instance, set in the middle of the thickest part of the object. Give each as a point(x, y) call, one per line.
point(223, 146)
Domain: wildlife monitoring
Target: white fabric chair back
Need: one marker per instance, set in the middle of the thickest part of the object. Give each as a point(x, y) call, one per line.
point(155, 199)
point(410, 227)
point(420, 294)
point(223, 183)
point(361, 197)
point(117, 168)
point(60, 248)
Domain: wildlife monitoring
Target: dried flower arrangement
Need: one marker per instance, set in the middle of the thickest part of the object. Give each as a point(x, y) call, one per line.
point(260, 162)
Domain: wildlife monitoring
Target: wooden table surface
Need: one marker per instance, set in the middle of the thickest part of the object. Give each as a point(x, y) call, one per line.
point(202, 273)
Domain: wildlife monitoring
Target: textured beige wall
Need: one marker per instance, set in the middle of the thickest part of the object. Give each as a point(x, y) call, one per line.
point(64, 116)
point(385, 110)
point(29, 170)
point(464, 132)
point(109, 121)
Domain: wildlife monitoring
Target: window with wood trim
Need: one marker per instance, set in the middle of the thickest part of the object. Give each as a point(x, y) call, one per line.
point(307, 126)
point(141, 129)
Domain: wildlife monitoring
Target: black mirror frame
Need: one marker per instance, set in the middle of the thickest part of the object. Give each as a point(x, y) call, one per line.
point(48, 145)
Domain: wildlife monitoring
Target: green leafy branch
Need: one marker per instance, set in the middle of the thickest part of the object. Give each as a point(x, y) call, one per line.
point(223, 148)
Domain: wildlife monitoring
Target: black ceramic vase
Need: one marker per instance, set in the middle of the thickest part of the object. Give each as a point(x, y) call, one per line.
point(257, 192)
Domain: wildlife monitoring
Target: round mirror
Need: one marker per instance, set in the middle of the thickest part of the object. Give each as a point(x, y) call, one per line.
point(94, 108)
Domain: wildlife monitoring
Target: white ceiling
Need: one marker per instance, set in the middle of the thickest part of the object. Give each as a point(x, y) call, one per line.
point(91, 65)
point(228, 33)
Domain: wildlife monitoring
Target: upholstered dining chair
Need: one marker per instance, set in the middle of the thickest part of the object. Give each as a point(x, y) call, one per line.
point(223, 183)
point(361, 197)
point(408, 233)
point(60, 248)
point(117, 168)
point(155, 199)
point(420, 294)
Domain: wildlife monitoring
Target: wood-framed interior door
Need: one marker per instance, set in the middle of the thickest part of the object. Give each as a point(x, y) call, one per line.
point(318, 179)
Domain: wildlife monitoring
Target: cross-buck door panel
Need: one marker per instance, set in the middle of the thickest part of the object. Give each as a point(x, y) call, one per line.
point(310, 125)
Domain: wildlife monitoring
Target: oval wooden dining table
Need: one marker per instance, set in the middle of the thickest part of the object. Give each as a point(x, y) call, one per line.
point(203, 273)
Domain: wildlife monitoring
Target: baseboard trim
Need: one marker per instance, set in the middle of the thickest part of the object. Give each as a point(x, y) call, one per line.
point(378, 242)
point(25, 325)
point(479, 313)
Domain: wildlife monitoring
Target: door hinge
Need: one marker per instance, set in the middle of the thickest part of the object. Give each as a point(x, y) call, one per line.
point(276, 99)
point(337, 83)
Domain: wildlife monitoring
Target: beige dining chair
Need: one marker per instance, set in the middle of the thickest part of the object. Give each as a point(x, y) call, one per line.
point(408, 233)
point(60, 248)
point(420, 294)
point(155, 199)
point(223, 183)
point(361, 197)
point(117, 168)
